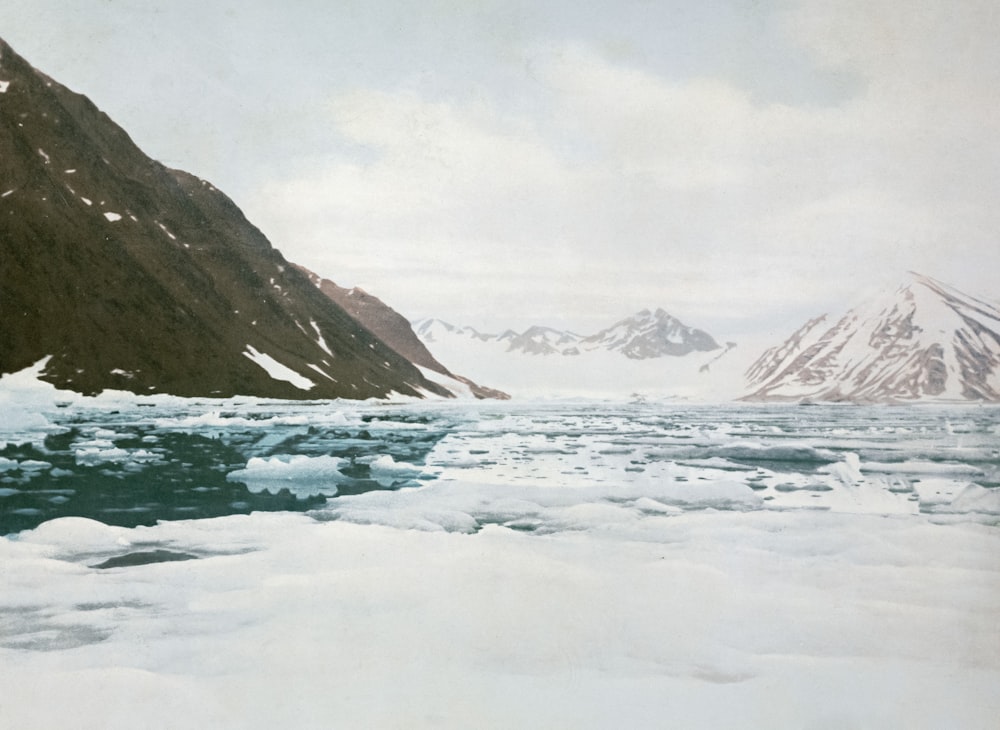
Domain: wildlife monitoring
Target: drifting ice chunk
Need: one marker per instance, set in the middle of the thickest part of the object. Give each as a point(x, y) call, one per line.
point(95, 453)
point(113, 217)
point(303, 476)
point(386, 470)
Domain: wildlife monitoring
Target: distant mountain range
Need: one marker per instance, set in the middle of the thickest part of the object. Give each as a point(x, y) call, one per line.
point(647, 334)
point(925, 341)
point(648, 352)
point(128, 275)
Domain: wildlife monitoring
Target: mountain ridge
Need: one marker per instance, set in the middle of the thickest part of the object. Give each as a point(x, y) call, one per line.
point(924, 341)
point(646, 334)
point(392, 328)
point(130, 275)
point(649, 353)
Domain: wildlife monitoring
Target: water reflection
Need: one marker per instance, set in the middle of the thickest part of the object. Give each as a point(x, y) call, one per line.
point(129, 474)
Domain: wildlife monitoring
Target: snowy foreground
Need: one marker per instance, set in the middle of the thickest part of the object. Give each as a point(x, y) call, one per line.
point(542, 565)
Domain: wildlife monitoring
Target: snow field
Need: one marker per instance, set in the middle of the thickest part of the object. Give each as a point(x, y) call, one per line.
point(725, 620)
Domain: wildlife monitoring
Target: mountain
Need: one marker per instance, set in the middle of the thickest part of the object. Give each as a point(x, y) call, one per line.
point(643, 335)
point(925, 341)
point(650, 352)
point(126, 274)
point(540, 340)
point(431, 330)
point(394, 329)
point(651, 334)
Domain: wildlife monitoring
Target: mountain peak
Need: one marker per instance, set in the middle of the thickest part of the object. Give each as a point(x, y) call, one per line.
point(925, 340)
point(649, 334)
point(646, 334)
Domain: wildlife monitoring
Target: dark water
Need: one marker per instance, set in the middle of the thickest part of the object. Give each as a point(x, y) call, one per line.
point(142, 463)
point(170, 473)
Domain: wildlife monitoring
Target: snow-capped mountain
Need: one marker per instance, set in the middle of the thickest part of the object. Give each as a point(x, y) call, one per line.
point(925, 341)
point(650, 352)
point(644, 335)
point(432, 330)
point(128, 275)
point(538, 340)
point(651, 334)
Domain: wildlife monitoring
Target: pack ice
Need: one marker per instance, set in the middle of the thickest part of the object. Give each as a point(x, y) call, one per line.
point(589, 564)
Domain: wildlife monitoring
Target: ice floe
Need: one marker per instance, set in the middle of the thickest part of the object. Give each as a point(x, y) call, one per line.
point(302, 475)
point(515, 564)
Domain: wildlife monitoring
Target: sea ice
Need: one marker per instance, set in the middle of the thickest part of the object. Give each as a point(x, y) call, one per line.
point(559, 564)
point(301, 475)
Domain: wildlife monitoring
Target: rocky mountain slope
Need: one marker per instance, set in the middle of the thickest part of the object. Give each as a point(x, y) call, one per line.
point(129, 275)
point(925, 341)
point(393, 329)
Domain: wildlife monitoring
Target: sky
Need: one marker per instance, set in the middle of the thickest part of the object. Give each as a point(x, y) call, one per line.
point(743, 164)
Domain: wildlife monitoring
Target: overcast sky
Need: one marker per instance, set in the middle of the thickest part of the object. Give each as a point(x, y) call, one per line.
point(743, 164)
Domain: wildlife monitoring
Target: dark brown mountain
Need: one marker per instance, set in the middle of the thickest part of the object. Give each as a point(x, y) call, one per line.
point(130, 275)
point(393, 329)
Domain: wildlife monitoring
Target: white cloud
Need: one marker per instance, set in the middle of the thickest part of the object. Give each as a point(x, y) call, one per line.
point(620, 189)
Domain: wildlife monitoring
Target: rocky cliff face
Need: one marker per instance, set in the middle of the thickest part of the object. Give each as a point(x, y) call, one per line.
point(925, 341)
point(129, 275)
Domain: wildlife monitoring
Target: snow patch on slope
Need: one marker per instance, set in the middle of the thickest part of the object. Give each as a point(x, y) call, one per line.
point(455, 386)
point(276, 370)
point(319, 338)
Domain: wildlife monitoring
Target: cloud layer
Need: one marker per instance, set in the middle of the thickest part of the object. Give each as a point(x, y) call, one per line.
point(741, 165)
point(616, 187)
